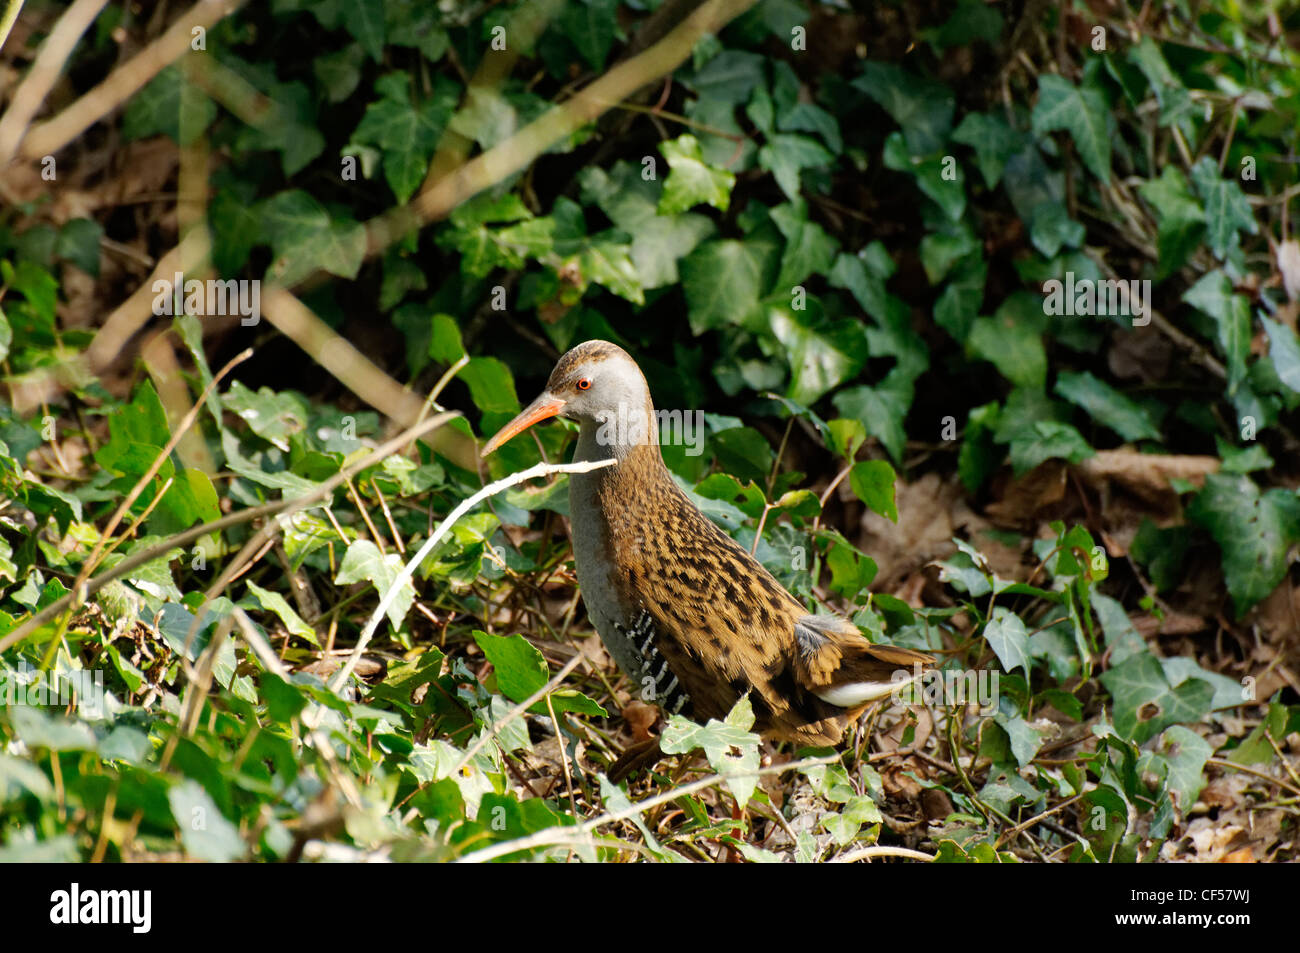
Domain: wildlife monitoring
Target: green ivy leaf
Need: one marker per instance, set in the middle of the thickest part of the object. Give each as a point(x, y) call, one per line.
point(275, 417)
point(786, 155)
point(993, 140)
point(1044, 440)
point(718, 739)
point(723, 280)
point(407, 132)
point(1181, 218)
point(364, 562)
point(79, 243)
point(1007, 637)
point(881, 410)
point(1107, 406)
point(1254, 531)
point(1213, 294)
point(1284, 350)
point(821, 356)
point(1185, 752)
point(872, 482)
point(692, 180)
point(168, 105)
point(1226, 208)
point(591, 25)
point(305, 237)
point(274, 602)
point(923, 108)
point(1081, 111)
point(1144, 701)
point(205, 831)
point(1014, 347)
point(808, 249)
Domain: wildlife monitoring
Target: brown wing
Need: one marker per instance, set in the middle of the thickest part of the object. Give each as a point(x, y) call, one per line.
point(725, 626)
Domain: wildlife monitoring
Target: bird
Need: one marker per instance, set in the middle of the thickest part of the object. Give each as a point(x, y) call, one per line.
point(692, 618)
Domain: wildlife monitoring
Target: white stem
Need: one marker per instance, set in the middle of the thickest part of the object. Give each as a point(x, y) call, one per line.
point(542, 469)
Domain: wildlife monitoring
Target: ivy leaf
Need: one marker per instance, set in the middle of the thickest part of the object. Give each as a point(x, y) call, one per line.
point(822, 356)
point(923, 108)
point(1226, 208)
point(1122, 638)
point(366, 23)
point(291, 127)
point(1185, 752)
point(1051, 228)
point(1144, 701)
point(338, 73)
point(727, 79)
point(941, 250)
point(692, 180)
point(946, 189)
point(806, 117)
point(1284, 351)
point(1025, 740)
point(1254, 531)
point(591, 25)
point(1014, 347)
point(276, 603)
point(722, 281)
point(522, 671)
point(1045, 440)
point(993, 141)
point(168, 105)
point(1007, 637)
point(881, 410)
point(408, 133)
point(720, 739)
point(1213, 294)
point(79, 243)
point(872, 482)
point(1107, 406)
point(1083, 113)
point(1181, 218)
point(205, 831)
point(631, 202)
point(275, 417)
point(808, 249)
point(364, 561)
point(785, 155)
point(305, 237)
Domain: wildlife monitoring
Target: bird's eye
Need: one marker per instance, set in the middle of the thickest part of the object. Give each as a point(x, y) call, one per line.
point(584, 383)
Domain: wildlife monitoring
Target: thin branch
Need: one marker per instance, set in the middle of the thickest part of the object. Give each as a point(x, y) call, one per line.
point(581, 835)
point(45, 70)
point(125, 81)
point(541, 469)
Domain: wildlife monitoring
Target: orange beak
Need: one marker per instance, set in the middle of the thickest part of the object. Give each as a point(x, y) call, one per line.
point(543, 408)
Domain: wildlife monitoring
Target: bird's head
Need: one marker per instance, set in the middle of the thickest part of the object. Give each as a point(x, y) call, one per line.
point(596, 383)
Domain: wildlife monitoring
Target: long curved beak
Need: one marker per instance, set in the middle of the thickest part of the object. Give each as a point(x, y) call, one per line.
point(543, 408)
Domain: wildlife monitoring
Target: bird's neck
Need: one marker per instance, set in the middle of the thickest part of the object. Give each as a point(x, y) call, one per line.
point(631, 436)
point(630, 429)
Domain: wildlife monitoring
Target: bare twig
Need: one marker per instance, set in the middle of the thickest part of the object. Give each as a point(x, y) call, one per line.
point(542, 469)
point(45, 70)
point(581, 835)
point(126, 80)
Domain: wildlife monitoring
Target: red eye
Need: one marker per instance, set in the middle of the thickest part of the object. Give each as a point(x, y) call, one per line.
point(584, 383)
